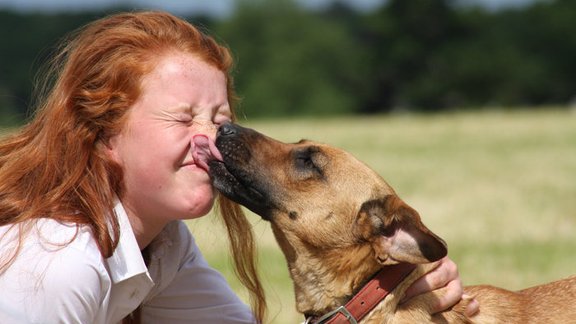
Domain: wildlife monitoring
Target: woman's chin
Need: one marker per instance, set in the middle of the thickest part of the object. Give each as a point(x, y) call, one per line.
point(201, 204)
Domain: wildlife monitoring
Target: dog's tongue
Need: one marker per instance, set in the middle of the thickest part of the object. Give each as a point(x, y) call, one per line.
point(204, 150)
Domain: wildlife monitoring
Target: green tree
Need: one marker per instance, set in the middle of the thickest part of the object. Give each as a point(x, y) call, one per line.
point(405, 37)
point(27, 41)
point(290, 62)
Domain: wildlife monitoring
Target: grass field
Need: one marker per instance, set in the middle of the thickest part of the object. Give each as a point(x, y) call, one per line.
point(499, 187)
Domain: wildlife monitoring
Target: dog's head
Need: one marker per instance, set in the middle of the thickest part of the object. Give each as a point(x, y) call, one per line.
point(319, 197)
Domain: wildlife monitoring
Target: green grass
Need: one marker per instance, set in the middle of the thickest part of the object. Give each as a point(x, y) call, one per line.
point(499, 186)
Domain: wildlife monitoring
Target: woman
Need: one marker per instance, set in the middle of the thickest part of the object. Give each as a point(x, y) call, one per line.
point(94, 188)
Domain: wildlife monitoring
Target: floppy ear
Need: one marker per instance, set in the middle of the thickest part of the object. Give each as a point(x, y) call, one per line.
point(397, 234)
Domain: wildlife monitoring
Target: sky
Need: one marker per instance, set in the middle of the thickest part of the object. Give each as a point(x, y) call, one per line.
point(219, 8)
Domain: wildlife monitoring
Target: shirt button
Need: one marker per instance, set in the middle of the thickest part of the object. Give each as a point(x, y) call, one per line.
point(134, 294)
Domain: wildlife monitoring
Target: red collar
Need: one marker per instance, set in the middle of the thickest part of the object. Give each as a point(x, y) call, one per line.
point(368, 297)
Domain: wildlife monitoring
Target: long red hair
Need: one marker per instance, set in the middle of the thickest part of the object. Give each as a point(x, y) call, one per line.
point(55, 166)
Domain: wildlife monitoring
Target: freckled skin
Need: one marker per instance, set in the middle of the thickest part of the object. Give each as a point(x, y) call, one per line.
point(182, 97)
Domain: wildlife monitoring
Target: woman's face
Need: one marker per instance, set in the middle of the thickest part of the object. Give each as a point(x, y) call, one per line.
point(182, 97)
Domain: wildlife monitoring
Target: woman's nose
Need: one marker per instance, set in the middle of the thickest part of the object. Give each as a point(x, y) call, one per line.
point(205, 126)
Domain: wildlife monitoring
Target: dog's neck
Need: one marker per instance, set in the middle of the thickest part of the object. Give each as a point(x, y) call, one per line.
point(328, 279)
point(321, 287)
point(369, 297)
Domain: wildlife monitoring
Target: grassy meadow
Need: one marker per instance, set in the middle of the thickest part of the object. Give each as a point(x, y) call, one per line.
point(498, 186)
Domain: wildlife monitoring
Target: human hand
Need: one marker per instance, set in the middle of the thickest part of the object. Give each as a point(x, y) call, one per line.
point(445, 275)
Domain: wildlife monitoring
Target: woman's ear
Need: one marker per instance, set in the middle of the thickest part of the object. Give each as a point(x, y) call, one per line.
point(109, 147)
point(397, 234)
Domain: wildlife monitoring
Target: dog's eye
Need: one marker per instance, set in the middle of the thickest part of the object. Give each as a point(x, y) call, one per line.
point(305, 160)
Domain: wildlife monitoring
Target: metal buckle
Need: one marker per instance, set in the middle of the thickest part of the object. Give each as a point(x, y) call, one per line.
point(342, 310)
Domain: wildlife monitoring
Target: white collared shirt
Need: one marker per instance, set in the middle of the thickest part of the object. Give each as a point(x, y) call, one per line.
point(59, 276)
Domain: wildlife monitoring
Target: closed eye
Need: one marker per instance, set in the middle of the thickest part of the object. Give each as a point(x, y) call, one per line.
point(219, 120)
point(222, 115)
point(184, 118)
point(305, 161)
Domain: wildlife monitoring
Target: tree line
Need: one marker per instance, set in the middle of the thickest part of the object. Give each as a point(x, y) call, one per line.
point(417, 55)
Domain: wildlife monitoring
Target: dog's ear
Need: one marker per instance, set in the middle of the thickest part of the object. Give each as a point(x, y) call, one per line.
point(397, 234)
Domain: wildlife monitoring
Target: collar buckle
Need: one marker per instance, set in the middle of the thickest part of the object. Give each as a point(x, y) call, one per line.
point(340, 310)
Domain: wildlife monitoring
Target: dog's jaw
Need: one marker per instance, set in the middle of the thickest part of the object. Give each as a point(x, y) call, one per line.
point(242, 192)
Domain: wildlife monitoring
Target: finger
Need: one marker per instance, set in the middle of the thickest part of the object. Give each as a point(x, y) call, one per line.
point(439, 277)
point(452, 295)
point(473, 306)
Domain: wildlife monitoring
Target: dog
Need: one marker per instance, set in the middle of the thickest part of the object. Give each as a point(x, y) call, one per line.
point(345, 233)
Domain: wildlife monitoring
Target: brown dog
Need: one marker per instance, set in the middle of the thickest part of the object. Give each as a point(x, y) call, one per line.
point(339, 223)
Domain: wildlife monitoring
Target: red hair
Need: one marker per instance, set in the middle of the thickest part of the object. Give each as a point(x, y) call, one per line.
point(56, 166)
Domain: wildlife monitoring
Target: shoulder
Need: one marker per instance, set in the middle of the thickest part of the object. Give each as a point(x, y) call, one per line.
point(54, 252)
point(45, 240)
point(70, 243)
point(58, 270)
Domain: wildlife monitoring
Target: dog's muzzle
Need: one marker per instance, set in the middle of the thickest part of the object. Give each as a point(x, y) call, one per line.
point(236, 175)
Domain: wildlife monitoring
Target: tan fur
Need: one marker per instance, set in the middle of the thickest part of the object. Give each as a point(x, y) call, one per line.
point(338, 222)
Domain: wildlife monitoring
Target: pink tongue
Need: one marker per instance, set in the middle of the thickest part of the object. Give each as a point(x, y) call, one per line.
point(204, 150)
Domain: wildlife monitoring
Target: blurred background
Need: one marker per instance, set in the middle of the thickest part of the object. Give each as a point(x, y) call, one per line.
point(327, 57)
point(466, 107)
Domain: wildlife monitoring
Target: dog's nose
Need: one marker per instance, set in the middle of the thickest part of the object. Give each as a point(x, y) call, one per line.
point(227, 129)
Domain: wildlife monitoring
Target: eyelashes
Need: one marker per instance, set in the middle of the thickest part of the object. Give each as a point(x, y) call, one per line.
point(213, 123)
point(198, 117)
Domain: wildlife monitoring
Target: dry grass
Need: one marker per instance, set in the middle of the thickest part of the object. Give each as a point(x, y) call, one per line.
point(500, 187)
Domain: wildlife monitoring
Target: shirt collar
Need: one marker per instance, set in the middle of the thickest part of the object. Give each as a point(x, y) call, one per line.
point(127, 260)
